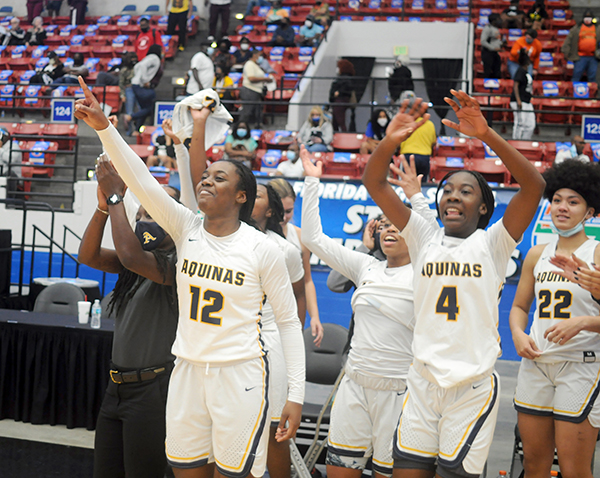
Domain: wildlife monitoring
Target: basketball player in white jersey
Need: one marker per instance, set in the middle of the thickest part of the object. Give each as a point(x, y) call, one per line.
point(449, 414)
point(217, 409)
point(369, 399)
point(559, 378)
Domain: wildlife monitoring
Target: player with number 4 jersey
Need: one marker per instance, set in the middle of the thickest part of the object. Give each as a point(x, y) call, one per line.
point(449, 414)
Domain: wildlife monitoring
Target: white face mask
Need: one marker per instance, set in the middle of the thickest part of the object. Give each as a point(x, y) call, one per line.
point(308, 24)
point(587, 20)
point(244, 46)
point(382, 122)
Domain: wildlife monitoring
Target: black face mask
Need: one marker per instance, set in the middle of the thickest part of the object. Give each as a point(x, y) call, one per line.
point(145, 29)
point(150, 235)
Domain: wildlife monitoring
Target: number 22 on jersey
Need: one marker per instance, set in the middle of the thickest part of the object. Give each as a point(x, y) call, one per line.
point(447, 303)
point(563, 300)
point(214, 305)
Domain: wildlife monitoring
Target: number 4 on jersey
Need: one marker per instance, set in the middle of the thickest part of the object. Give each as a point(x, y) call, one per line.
point(447, 303)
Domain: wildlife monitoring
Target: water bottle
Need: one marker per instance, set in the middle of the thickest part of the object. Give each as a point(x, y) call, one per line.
point(502, 474)
point(96, 313)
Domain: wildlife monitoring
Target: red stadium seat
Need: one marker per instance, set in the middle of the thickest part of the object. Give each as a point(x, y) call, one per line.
point(38, 154)
point(492, 170)
point(532, 150)
point(558, 110)
point(10, 127)
point(565, 88)
point(340, 164)
point(143, 150)
point(439, 166)
point(349, 142)
point(103, 51)
point(109, 95)
point(109, 30)
point(278, 95)
point(551, 73)
point(146, 136)
point(30, 129)
point(66, 130)
point(86, 51)
point(20, 64)
point(55, 40)
point(451, 146)
point(589, 107)
point(277, 139)
point(476, 149)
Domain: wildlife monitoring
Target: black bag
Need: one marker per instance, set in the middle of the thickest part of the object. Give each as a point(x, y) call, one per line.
point(157, 77)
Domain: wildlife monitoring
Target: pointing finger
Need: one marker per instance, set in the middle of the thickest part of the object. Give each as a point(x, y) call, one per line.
point(84, 87)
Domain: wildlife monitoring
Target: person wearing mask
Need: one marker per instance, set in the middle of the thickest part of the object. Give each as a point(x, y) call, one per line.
point(73, 72)
point(520, 100)
point(293, 167)
point(143, 84)
point(310, 32)
point(178, 16)
point(536, 16)
point(221, 55)
point(202, 72)
point(36, 35)
point(242, 54)
point(222, 83)
point(15, 35)
point(316, 134)
point(574, 152)
point(513, 16)
point(491, 44)
point(284, 35)
point(532, 46)
point(164, 153)
point(240, 145)
point(253, 81)
point(419, 144)
point(54, 69)
point(320, 12)
point(342, 91)
point(146, 38)
point(581, 45)
point(218, 8)
point(375, 131)
point(399, 78)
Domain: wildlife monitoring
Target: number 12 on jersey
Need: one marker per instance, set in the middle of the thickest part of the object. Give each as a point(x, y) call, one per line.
point(215, 304)
point(447, 303)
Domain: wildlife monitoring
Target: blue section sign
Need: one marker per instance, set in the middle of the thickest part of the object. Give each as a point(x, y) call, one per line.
point(62, 110)
point(590, 128)
point(163, 110)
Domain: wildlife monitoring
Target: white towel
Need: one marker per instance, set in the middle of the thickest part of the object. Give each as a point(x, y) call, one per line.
point(216, 124)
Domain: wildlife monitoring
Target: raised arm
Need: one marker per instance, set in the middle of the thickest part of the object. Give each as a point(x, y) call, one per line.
point(375, 175)
point(182, 155)
point(197, 146)
point(524, 204)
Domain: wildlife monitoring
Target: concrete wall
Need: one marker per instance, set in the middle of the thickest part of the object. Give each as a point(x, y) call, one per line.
point(377, 39)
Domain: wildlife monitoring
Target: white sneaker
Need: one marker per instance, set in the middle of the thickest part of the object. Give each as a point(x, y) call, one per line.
point(210, 38)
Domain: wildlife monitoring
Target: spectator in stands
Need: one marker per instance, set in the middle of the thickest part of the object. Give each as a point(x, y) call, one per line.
point(6, 157)
point(310, 33)
point(520, 100)
point(144, 81)
point(513, 16)
point(146, 38)
point(221, 55)
point(532, 46)
point(218, 8)
point(581, 45)
point(292, 168)
point(178, 16)
point(321, 13)
point(375, 131)
point(316, 134)
point(240, 145)
point(202, 72)
point(491, 44)
point(242, 54)
point(574, 152)
point(36, 35)
point(342, 91)
point(15, 35)
point(420, 144)
point(400, 78)
point(54, 69)
point(126, 72)
point(78, 9)
point(34, 9)
point(255, 3)
point(73, 72)
point(253, 82)
point(536, 16)
point(53, 7)
point(284, 35)
point(222, 83)
point(164, 153)
point(276, 13)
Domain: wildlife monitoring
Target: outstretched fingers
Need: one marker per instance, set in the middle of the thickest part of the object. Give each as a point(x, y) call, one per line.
point(451, 124)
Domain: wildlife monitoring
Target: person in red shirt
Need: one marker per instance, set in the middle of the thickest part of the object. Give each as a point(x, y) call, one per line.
point(532, 45)
point(580, 47)
point(146, 38)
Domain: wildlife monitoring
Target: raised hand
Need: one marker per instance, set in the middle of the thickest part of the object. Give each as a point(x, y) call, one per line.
point(471, 120)
point(405, 122)
point(167, 126)
point(200, 115)
point(109, 180)
point(368, 238)
point(408, 179)
point(310, 169)
point(88, 109)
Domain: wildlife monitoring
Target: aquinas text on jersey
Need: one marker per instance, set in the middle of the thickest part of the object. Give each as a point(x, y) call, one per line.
point(210, 272)
point(452, 269)
point(549, 277)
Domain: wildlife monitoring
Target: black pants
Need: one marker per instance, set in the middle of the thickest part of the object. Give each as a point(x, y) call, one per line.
point(217, 11)
point(131, 430)
point(251, 114)
point(492, 63)
point(178, 21)
point(422, 164)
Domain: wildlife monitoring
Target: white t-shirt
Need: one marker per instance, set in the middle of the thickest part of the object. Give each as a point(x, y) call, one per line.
point(221, 281)
point(291, 169)
point(206, 73)
point(252, 70)
point(457, 286)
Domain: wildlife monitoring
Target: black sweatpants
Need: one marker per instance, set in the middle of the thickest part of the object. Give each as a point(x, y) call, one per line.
point(178, 21)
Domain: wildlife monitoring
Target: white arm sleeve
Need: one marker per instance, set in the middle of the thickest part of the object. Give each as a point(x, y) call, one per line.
point(188, 198)
point(420, 206)
point(278, 288)
point(170, 215)
point(346, 262)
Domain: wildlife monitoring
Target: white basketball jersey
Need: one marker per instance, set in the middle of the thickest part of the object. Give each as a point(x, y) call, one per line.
point(559, 299)
point(457, 285)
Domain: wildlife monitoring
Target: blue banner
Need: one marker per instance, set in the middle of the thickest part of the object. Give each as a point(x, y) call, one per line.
point(346, 207)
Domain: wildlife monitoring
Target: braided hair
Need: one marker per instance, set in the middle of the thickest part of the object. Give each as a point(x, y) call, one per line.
point(486, 193)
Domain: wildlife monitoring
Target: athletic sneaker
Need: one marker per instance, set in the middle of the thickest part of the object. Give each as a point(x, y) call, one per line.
point(181, 48)
point(210, 38)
